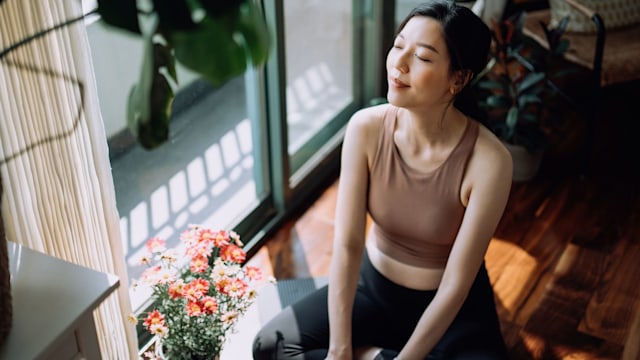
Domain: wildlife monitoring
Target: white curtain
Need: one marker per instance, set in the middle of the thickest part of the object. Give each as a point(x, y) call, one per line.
point(58, 190)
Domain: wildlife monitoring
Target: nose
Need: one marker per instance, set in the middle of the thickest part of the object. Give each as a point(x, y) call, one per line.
point(399, 60)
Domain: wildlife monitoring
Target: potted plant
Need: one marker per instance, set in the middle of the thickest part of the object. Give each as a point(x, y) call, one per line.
point(216, 39)
point(513, 87)
point(198, 296)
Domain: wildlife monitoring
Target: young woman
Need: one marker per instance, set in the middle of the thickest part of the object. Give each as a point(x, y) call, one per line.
point(435, 183)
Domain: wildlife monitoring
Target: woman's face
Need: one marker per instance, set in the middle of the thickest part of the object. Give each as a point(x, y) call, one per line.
point(418, 66)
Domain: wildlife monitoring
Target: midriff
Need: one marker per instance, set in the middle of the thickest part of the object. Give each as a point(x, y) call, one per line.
point(413, 277)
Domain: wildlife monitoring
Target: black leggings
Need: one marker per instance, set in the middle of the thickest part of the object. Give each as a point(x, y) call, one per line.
point(384, 315)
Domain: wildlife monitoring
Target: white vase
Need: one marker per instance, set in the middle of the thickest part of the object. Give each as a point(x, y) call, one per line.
point(159, 352)
point(525, 164)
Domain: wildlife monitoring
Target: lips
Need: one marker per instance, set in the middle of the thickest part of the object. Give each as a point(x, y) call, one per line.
point(395, 82)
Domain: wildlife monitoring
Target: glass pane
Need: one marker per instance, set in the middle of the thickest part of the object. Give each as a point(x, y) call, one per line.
point(319, 48)
point(204, 174)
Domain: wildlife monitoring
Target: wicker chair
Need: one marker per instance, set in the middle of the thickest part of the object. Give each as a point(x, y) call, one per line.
point(609, 55)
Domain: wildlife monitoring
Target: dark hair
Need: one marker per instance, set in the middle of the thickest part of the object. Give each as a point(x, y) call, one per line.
point(467, 38)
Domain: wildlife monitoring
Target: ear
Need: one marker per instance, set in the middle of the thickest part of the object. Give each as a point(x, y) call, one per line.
point(460, 79)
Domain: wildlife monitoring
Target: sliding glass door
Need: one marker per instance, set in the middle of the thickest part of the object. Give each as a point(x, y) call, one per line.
point(320, 88)
point(243, 155)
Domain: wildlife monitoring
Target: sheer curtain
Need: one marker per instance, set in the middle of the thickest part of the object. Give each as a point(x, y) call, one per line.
point(58, 190)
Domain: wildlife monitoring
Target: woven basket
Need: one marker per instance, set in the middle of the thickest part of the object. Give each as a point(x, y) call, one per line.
point(6, 311)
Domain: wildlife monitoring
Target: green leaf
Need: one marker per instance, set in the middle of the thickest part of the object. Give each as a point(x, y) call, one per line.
point(211, 50)
point(536, 90)
point(530, 118)
point(512, 117)
point(508, 133)
point(489, 85)
point(525, 100)
point(530, 80)
point(562, 47)
point(255, 32)
point(498, 101)
point(122, 14)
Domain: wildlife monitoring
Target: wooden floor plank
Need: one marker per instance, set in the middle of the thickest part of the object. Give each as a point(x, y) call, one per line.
point(632, 345)
point(617, 297)
point(612, 307)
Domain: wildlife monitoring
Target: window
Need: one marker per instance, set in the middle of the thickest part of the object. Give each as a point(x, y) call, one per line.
point(319, 72)
point(242, 155)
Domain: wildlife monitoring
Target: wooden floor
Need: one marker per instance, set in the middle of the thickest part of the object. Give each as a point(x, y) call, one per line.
point(565, 259)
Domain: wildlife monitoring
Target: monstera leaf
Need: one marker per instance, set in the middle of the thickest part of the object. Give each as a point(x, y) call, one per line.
point(222, 47)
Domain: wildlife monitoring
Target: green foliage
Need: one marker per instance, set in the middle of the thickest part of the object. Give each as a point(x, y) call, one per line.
point(216, 39)
point(515, 81)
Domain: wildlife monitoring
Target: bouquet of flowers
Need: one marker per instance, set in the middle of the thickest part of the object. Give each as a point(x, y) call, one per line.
point(197, 297)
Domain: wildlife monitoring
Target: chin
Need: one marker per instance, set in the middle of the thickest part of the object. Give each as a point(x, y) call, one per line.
point(394, 99)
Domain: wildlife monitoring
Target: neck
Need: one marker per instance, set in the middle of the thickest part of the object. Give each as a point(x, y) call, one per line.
point(433, 127)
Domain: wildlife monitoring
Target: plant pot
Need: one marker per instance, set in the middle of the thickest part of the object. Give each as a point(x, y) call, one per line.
point(525, 164)
point(6, 310)
point(160, 354)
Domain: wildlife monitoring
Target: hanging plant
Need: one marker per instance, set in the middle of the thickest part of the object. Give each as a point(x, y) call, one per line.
point(216, 39)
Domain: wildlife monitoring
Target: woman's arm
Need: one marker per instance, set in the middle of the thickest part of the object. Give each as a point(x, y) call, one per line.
point(350, 224)
point(489, 173)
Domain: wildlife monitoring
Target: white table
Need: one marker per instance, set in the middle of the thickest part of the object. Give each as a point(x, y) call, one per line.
point(53, 303)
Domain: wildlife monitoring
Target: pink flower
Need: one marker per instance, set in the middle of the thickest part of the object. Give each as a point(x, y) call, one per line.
point(209, 304)
point(176, 289)
point(196, 289)
point(206, 236)
point(232, 253)
point(199, 264)
point(232, 287)
point(221, 239)
point(154, 318)
point(253, 273)
point(155, 245)
point(194, 308)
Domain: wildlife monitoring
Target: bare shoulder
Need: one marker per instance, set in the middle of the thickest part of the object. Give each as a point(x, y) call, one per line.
point(365, 124)
point(489, 146)
point(369, 117)
point(363, 129)
point(490, 155)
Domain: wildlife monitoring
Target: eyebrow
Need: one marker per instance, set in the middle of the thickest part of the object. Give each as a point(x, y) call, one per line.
point(424, 45)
